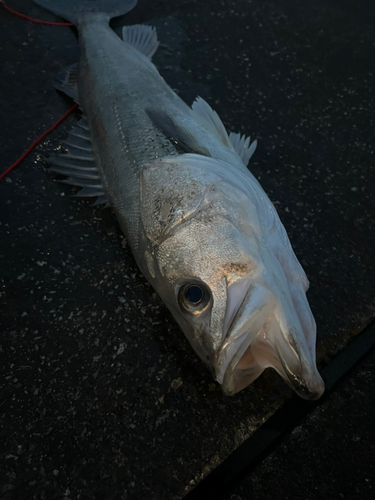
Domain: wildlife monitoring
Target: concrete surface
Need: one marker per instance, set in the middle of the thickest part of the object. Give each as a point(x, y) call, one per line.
point(102, 397)
point(331, 454)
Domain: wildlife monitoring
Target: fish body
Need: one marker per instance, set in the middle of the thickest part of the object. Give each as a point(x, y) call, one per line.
point(201, 228)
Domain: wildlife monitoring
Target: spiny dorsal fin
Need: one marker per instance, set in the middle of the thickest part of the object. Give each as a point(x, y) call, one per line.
point(78, 163)
point(242, 146)
point(66, 81)
point(141, 37)
point(211, 120)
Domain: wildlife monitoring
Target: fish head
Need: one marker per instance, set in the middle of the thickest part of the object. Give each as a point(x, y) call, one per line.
point(203, 250)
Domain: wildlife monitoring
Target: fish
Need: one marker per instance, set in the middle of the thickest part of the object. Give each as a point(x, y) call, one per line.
point(201, 228)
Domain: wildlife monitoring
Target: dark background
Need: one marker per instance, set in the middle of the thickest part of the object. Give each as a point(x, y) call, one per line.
point(101, 395)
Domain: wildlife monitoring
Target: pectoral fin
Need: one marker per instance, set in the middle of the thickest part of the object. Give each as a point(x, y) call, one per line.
point(177, 132)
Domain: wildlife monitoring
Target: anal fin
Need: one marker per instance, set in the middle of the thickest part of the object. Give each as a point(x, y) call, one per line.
point(67, 81)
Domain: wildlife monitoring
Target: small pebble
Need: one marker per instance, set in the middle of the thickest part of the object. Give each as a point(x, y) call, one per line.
point(176, 383)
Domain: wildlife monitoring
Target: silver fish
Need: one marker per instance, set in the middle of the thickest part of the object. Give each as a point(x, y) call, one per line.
point(201, 228)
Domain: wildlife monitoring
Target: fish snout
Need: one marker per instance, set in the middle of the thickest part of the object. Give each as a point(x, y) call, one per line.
point(311, 389)
point(267, 345)
point(296, 363)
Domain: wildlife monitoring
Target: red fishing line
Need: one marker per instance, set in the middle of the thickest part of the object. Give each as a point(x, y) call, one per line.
point(58, 121)
point(31, 19)
point(39, 140)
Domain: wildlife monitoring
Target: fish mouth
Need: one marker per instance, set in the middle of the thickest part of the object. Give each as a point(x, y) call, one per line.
point(270, 347)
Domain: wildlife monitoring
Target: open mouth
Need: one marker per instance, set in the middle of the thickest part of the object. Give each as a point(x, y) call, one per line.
point(271, 349)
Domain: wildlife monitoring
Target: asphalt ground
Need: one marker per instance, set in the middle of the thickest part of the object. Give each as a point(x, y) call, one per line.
point(101, 395)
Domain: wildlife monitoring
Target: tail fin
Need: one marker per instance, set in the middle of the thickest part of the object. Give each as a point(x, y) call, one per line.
point(72, 10)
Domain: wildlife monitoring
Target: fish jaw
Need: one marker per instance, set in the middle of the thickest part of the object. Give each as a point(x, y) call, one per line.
point(250, 349)
point(298, 366)
point(254, 311)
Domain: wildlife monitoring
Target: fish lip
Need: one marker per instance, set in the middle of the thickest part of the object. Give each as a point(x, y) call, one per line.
point(306, 392)
point(309, 385)
point(310, 389)
point(249, 320)
point(310, 394)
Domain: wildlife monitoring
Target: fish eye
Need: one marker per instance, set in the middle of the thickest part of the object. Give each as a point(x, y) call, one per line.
point(193, 297)
point(194, 294)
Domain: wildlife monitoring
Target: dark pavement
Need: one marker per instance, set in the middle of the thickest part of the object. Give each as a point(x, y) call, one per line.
point(101, 395)
point(331, 454)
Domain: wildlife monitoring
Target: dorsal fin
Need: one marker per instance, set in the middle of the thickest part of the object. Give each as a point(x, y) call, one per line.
point(67, 81)
point(141, 37)
point(211, 120)
point(78, 163)
point(242, 146)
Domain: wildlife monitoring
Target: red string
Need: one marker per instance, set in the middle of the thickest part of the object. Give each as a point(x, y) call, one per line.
point(31, 19)
point(38, 141)
point(58, 121)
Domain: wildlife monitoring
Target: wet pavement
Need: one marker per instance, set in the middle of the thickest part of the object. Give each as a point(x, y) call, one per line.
point(101, 395)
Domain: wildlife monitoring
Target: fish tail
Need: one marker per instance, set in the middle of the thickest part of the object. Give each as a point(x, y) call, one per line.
point(74, 10)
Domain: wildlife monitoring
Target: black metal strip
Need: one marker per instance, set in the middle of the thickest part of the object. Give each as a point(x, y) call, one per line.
point(250, 453)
